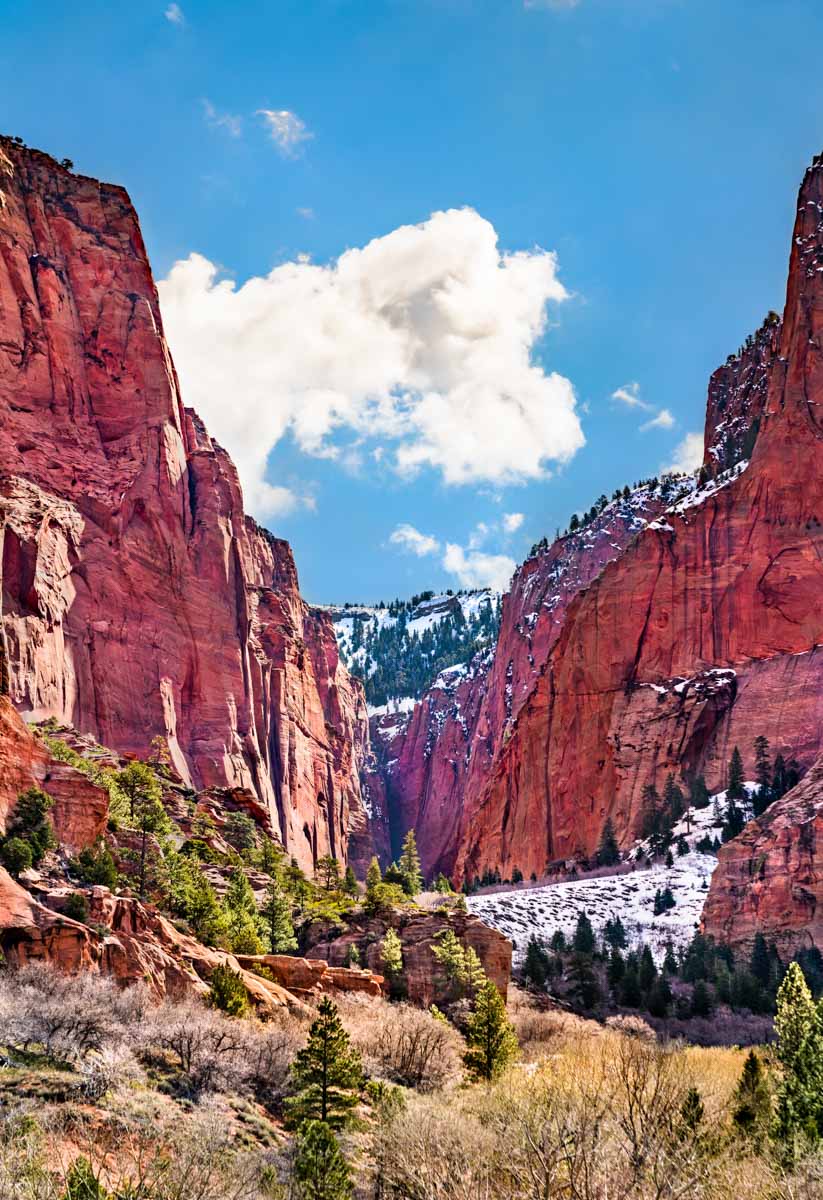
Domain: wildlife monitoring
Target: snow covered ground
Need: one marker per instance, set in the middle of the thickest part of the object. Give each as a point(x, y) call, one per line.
point(521, 912)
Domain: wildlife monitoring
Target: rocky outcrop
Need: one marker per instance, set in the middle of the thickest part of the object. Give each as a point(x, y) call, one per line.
point(417, 932)
point(738, 392)
point(138, 599)
point(312, 977)
point(124, 939)
point(80, 809)
point(769, 880)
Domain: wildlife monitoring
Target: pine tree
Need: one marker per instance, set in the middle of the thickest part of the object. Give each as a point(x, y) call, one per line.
point(692, 1111)
point(799, 1031)
point(760, 963)
point(451, 959)
point(475, 975)
point(615, 933)
point(734, 787)
point(584, 981)
point(350, 883)
point(701, 1005)
point(752, 1099)
point(630, 995)
point(699, 793)
point(646, 971)
point(536, 966)
point(244, 923)
point(139, 784)
point(276, 912)
point(149, 817)
point(373, 875)
point(670, 962)
point(327, 871)
point(320, 1168)
point(608, 851)
point(327, 1074)
point(391, 957)
point(616, 968)
point(584, 935)
point(660, 997)
point(412, 882)
point(763, 775)
point(490, 1038)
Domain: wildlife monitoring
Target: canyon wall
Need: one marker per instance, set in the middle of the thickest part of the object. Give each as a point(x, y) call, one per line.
point(138, 599)
point(694, 630)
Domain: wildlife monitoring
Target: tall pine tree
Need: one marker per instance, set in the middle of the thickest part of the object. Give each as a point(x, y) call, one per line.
point(490, 1038)
point(320, 1168)
point(326, 1074)
point(412, 882)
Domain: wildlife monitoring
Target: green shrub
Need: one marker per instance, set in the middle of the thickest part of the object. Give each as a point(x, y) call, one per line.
point(77, 908)
point(228, 992)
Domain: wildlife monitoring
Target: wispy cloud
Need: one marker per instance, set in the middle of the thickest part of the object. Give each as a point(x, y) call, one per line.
point(306, 213)
point(471, 567)
point(663, 420)
point(286, 129)
point(175, 15)
point(687, 456)
point(408, 538)
point(474, 569)
point(217, 120)
point(512, 522)
point(629, 394)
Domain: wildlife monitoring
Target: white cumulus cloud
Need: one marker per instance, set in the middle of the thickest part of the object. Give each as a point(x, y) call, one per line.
point(687, 455)
point(663, 420)
point(174, 14)
point(411, 539)
point(474, 569)
point(512, 522)
point(421, 341)
point(286, 129)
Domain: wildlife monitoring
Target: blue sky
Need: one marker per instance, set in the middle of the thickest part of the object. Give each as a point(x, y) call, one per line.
point(655, 147)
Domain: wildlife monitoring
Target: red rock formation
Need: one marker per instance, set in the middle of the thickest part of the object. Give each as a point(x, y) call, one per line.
point(312, 977)
point(130, 942)
point(626, 654)
point(704, 633)
point(446, 750)
point(417, 933)
point(80, 809)
point(769, 880)
point(137, 597)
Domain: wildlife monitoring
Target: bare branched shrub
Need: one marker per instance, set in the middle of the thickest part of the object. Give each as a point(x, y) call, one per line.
point(435, 1152)
point(206, 1046)
point(69, 1016)
point(405, 1045)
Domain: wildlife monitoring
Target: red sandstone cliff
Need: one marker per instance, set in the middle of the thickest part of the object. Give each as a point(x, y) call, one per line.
point(446, 749)
point(653, 652)
point(137, 597)
point(769, 880)
point(704, 633)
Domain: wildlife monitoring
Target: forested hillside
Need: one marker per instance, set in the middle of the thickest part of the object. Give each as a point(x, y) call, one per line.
point(399, 649)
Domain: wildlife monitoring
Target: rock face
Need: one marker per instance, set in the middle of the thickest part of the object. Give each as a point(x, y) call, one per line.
point(417, 933)
point(131, 943)
point(443, 753)
point(138, 600)
point(658, 652)
point(769, 880)
point(313, 977)
point(80, 809)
